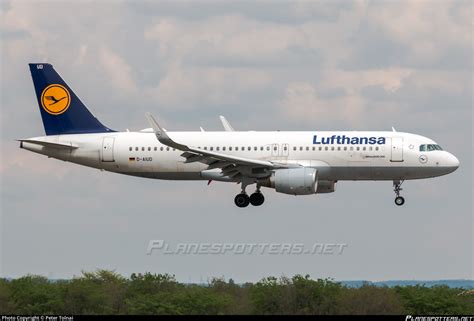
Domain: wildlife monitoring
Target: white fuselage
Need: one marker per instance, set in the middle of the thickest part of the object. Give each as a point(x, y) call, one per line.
point(141, 154)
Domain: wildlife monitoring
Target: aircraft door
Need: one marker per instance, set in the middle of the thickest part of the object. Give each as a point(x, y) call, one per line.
point(107, 152)
point(397, 149)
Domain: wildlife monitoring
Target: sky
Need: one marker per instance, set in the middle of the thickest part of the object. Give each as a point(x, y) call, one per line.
point(265, 65)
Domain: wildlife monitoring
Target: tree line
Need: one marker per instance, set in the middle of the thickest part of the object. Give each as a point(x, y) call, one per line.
point(106, 292)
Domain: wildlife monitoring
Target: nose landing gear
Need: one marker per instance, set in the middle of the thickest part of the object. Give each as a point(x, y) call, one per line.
point(399, 200)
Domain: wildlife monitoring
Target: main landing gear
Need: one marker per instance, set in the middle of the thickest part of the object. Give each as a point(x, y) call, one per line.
point(399, 200)
point(243, 200)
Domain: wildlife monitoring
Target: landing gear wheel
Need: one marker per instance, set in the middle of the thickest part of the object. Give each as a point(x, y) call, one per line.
point(397, 188)
point(399, 200)
point(257, 199)
point(242, 200)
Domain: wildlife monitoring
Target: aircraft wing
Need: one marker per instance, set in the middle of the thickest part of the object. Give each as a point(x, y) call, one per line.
point(226, 124)
point(229, 164)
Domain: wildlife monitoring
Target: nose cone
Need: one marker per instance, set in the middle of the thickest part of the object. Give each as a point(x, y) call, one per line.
point(452, 162)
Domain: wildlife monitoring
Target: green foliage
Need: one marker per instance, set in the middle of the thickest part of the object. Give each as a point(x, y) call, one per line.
point(370, 299)
point(34, 295)
point(299, 295)
point(106, 292)
point(436, 300)
point(100, 292)
point(5, 297)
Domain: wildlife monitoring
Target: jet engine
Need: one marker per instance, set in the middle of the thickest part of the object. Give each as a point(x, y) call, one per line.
point(294, 181)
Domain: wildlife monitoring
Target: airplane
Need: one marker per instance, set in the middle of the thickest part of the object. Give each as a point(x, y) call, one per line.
point(291, 162)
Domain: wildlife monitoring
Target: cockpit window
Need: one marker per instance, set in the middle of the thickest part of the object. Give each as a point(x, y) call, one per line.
point(429, 147)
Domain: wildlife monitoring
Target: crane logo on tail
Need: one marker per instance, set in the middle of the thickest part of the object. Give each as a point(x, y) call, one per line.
point(55, 99)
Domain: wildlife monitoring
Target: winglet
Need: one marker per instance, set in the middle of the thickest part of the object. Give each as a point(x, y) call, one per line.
point(393, 129)
point(226, 124)
point(161, 134)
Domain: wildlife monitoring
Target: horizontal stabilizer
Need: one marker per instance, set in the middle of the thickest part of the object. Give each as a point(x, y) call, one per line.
point(48, 144)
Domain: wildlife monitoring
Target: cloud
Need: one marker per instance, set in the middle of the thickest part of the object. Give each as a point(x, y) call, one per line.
point(418, 34)
point(118, 71)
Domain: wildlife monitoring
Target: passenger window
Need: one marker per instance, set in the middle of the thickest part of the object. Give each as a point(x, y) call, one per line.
point(174, 149)
point(268, 148)
point(275, 148)
point(211, 148)
point(143, 149)
point(161, 148)
point(326, 148)
point(307, 148)
point(130, 148)
point(237, 148)
point(156, 148)
point(223, 148)
point(332, 147)
point(136, 149)
point(217, 148)
point(370, 148)
point(285, 148)
point(338, 147)
point(363, 148)
point(320, 148)
point(352, 148)
point(255, 148)
point(376, 148)
point(167, 149)
point(149, 149)
point(314, 148)
point(345, 147)
point(294, 148)
point(261, 147)
point(358, 148)
point(230, 148)
point(249, 148)
point(301, 148)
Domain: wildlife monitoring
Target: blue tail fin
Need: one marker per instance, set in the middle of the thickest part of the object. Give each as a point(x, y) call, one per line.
point(61, 110)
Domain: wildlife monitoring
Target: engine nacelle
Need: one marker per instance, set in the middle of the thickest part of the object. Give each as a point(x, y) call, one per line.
point(326, 187)
point(294, 181)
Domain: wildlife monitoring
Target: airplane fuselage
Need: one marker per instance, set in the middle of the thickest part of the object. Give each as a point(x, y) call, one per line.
point(337, 155)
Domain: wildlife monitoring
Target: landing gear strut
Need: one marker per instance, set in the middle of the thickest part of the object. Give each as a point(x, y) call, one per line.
point(243, 200)
point(399, 200)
